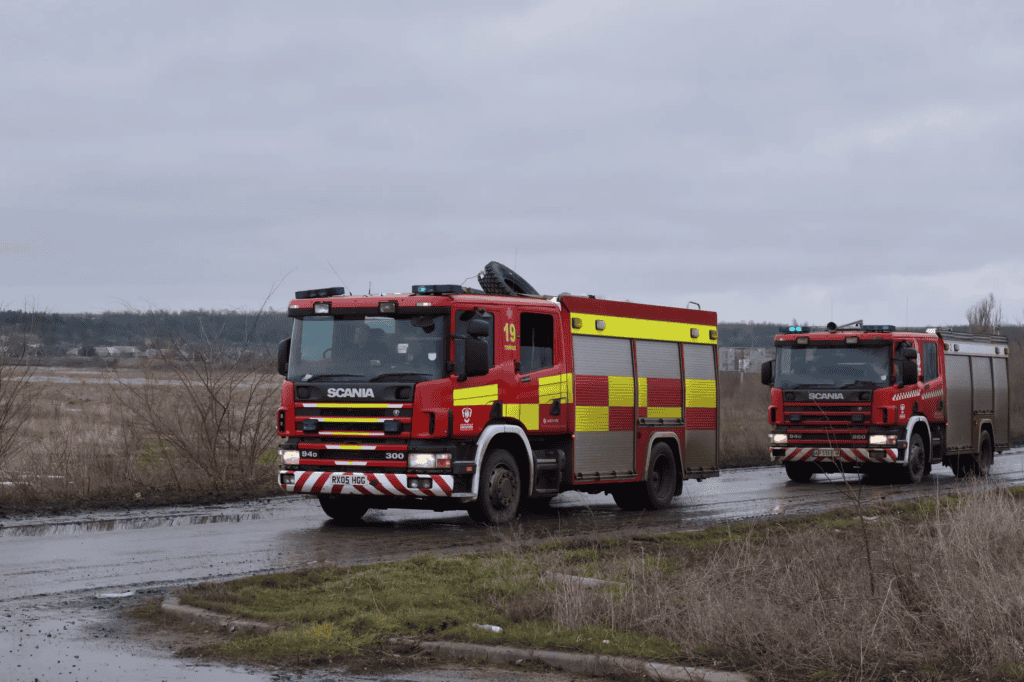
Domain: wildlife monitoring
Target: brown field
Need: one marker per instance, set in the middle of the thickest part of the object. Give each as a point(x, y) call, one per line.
point(138, 434)
point(102, 436)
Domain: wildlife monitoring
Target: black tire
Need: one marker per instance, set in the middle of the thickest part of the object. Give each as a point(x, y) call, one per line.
point(500, 489)
point(913, 471)
point(986, 455)
point(800, 472)
point(502, 281)
point(660, 486)
point(343, 508)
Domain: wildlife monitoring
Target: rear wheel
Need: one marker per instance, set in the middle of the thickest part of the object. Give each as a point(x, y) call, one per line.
point(985, 457)
point(500, 489)
point(800, 472)
point(344, 508)
point(660, 486)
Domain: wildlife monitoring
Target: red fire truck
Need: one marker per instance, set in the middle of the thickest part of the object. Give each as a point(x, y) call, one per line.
point(494, 400)
point(891, 403)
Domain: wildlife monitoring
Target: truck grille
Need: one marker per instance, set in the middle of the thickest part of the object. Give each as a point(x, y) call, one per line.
point(831, 425)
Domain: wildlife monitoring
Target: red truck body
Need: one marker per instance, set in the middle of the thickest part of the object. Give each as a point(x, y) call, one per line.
point(879, 400)
point(494, 404)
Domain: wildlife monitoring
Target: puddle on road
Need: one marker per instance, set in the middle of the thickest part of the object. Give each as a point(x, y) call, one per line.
point(94, 525)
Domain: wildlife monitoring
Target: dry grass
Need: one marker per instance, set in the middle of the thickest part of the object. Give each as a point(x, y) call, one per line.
point(798, 604)
point(744, 420)
point(99, 435)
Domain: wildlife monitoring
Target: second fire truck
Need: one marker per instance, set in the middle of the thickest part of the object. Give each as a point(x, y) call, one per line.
point(493, 401)
point(883, 401)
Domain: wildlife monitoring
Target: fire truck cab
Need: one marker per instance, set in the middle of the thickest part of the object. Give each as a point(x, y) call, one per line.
point(450, 398)
point(888, 402)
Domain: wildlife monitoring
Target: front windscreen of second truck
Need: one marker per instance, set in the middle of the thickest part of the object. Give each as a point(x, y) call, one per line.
point(370, 348)
point(844, 367)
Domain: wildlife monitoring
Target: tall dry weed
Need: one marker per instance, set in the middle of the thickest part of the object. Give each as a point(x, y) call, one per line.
point(795, 605)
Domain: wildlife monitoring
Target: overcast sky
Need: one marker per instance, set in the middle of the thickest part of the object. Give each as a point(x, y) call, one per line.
point(768, 160)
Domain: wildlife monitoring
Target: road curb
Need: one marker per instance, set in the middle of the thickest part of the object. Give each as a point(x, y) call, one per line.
point(172, 606)
point(589, 664)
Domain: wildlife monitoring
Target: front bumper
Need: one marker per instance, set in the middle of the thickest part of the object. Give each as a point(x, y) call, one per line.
point(882, 455)
point(369, 484)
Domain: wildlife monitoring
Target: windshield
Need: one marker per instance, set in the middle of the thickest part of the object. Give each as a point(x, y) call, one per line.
point(832, 367)
point(326, 348)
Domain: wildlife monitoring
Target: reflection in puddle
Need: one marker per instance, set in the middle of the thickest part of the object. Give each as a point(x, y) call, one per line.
point(74, 527)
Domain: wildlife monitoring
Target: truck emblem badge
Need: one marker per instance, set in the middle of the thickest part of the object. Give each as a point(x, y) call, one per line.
point(467, 414)
point(350, 393)
point(825, 396)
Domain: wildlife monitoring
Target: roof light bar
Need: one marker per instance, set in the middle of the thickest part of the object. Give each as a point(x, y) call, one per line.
point(321, 293)
point(427, 289)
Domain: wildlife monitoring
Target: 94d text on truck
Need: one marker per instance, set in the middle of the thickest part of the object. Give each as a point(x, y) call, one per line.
point(493, 401)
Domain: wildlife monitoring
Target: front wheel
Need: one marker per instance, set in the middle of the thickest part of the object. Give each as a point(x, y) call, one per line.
point(500, 489)
point(914, 470)
point(800, 472)
point(344, 508)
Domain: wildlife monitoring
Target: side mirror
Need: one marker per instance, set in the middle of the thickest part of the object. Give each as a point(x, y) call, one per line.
point(476, 356)
point(284, 349)
point(478, 327)
point(909, 354)
point(908, 372)
point(767, 372)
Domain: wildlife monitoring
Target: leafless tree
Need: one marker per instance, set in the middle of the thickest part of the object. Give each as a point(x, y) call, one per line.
point(985, 316)
point(16, 390)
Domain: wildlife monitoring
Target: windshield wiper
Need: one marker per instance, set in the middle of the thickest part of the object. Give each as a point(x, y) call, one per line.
point(330, 377)
point(862, 383)
point(399, 375)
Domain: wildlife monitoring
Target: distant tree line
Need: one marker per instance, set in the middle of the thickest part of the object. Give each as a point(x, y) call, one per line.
point(55, 333)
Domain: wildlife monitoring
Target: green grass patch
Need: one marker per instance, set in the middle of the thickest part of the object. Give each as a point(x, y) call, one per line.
point(334, 613)
point(755, 596)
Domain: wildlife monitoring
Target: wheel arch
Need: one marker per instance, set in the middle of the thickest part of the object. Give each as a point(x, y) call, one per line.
point(985, 426)
point(512, 438)
point(672, 440)
point(920, 426)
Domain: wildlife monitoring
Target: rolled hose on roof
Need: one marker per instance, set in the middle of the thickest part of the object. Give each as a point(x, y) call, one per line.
point(499, 280)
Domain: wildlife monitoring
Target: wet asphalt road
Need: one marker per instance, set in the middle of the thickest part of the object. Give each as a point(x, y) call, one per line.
point(57, 623)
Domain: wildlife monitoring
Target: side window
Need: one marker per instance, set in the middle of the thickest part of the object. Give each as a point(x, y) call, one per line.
point(929, 361)
point(537, 342)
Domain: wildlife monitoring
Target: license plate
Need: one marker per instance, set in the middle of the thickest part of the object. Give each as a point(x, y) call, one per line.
point(348, 479)
point(826, 452)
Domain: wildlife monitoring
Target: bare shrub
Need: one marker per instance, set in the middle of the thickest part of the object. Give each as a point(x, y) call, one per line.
point(16, 389)
point(985, 316)
point(205, 421)
point(209, 419)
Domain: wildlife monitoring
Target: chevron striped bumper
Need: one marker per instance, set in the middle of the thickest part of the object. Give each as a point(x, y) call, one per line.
point(371, 484)
point(836, 455)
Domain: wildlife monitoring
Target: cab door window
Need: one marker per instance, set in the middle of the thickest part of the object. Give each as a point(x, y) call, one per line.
point(929, 361)
point(536, 342)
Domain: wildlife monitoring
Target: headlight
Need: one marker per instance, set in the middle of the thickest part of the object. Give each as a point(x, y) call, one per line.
point(428, 460)
point(881, 439)
point(289, 456)
point(780, 438)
